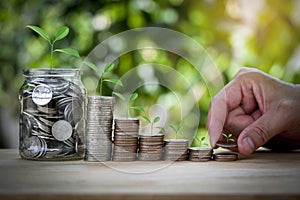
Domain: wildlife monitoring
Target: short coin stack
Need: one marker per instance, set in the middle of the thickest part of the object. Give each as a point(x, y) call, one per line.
point(150, 147)
point(198, 154)
point(99, 128)
point(176, 149)
point(225, 157)
point(125, 139)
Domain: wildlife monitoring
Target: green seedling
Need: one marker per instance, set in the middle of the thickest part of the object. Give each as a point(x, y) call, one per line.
point(176, 129)
point(61, 33)
point(103, 76)
point(152, 122)
point(228, 137)
point(200, 140)
point(132, 98)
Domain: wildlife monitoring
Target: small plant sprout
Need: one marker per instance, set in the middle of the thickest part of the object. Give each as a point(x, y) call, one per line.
point(152, 122)
point(108, 68)
point(228, 137)
point(176, 129)
point(132, 98)
point(61, 33)
point(200, 140)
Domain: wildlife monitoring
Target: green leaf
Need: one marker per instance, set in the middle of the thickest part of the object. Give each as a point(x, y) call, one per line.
point(115, 81)
point(146, 119)
point(133, 97)
point(156, 119)
point(202, 139)
point(229, 135)
point(69, 51)
point(61, 33)
point(225, 135)
point(93, 67)
point(109, 67)
point(232, 140)
point(173, 128)
point(119, 95)
point(160, 128)
point(40, 31)
point(140, 108)
point(180, 127)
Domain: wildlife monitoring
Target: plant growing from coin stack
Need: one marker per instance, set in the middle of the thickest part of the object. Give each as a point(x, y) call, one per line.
point(60, 34)
point(200, 140)
point(176, 129)
point(228, 137)
point(132, 98)
point(152, 122)
point(103, 76)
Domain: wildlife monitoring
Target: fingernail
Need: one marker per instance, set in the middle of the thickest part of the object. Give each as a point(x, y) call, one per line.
point(248, 145)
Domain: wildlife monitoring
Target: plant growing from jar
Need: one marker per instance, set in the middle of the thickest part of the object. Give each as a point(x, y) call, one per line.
point(61, 33)
point(52, 107)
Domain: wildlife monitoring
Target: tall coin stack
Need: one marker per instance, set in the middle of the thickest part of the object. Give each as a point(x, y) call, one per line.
point(176, 149)
point(151, 147)
point(99, 128)
point(125, 139)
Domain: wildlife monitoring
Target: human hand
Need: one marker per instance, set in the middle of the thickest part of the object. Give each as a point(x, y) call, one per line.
point(255, 107)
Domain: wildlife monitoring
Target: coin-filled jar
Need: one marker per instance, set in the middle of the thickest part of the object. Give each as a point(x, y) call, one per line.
point(52, 115)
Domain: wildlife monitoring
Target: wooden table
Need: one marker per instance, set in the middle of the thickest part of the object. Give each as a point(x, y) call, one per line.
point(263, 175)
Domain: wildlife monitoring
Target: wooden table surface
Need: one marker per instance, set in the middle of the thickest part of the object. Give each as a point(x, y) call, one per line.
point(263, 175)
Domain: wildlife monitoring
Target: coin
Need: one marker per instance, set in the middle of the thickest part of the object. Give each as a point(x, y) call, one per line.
point(150, 147)
point(225, 157)
point(175, 149)
point(197, 154)
point(35, 147)
point(125, 139)
point(226, 145)
point(47, 101)
point(62, 130)
point(42, 94)
point(99, 128)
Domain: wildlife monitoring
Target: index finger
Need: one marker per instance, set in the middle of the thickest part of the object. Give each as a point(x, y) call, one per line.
point(226, 100)
point(217, 114)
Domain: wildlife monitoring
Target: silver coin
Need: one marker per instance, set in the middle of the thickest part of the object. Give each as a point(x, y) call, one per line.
point(42, 94)
point(62, 130)
point(226, 145)
point(225, 157)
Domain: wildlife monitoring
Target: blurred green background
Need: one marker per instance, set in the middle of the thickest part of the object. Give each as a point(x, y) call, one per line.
point(260, 33)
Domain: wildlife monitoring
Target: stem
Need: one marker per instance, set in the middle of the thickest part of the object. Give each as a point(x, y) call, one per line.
point(101, 82)
point(151, 130)
point(51, 55)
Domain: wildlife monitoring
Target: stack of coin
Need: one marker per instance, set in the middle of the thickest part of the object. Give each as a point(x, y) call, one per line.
point(125, 139)
point(225, 157)
point(99, 128)
point(198, 154)
point(176, 149)
point(228, 145)
point(50, 122)
point(150, 147)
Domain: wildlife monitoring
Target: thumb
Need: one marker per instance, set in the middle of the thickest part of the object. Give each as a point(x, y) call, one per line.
point(259, 132)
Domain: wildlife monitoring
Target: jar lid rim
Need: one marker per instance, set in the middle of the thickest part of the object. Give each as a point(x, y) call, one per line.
point(51, 72)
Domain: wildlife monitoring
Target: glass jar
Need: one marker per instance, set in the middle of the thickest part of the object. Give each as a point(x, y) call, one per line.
point(52, 115)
